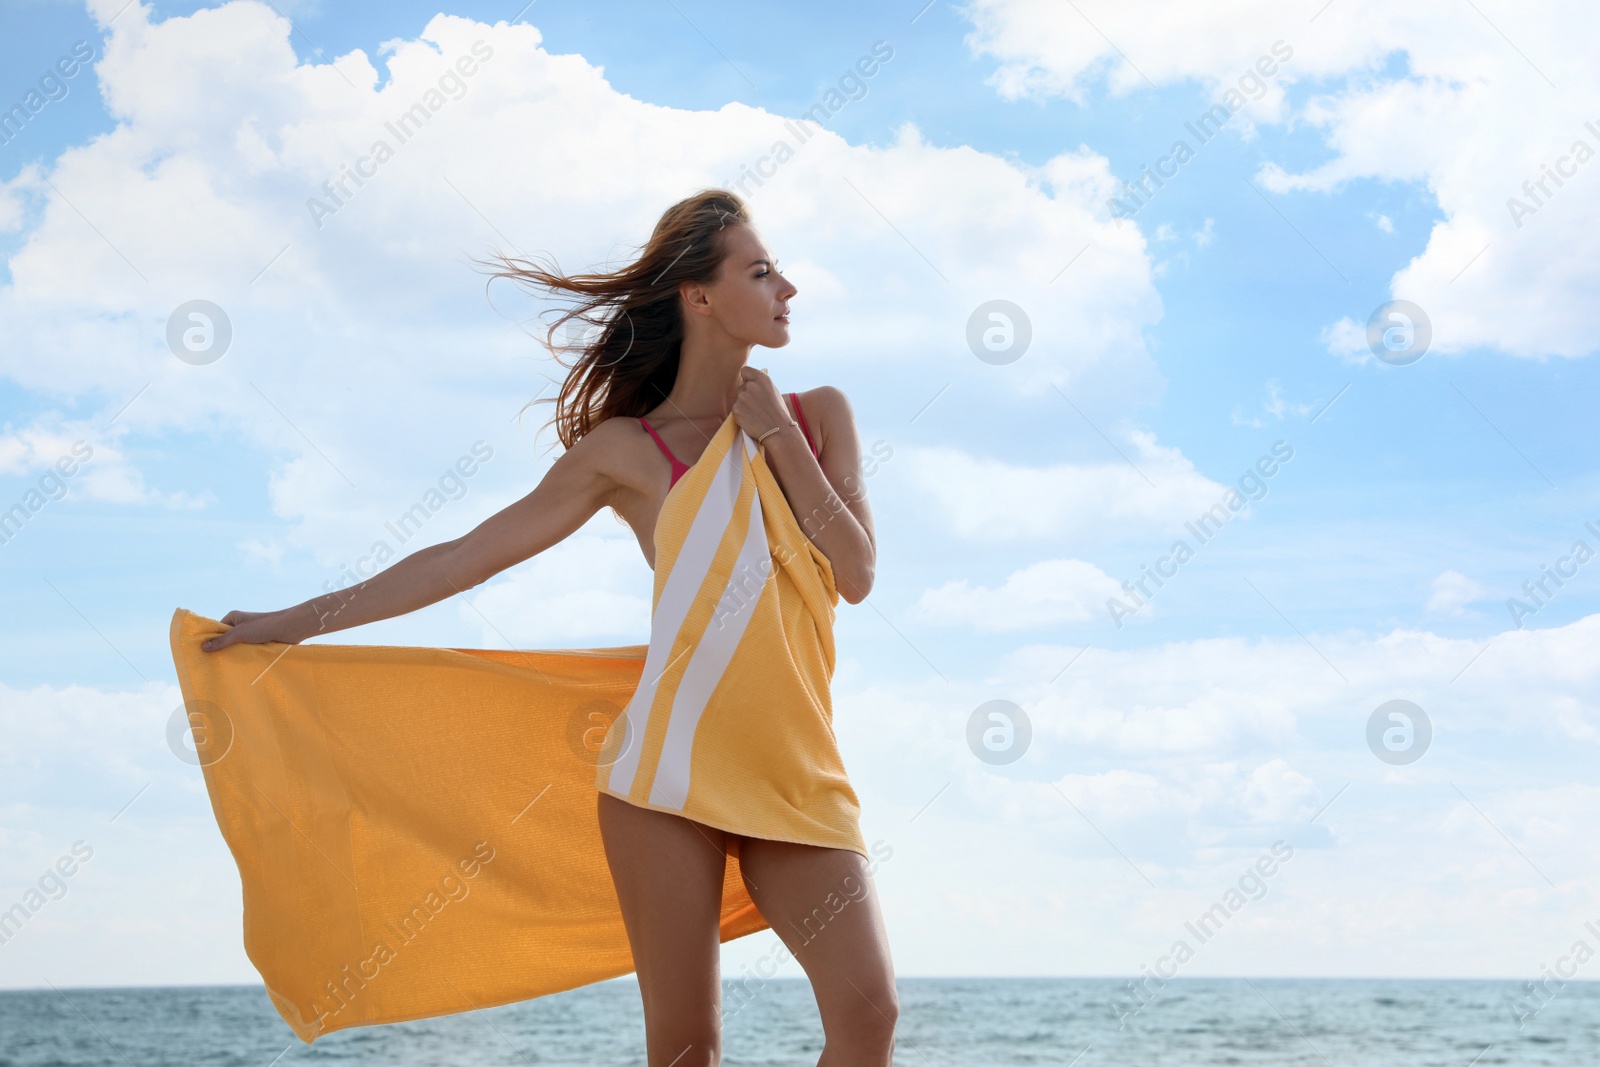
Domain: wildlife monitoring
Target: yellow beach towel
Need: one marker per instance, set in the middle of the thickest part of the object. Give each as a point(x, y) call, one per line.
point(416, 829)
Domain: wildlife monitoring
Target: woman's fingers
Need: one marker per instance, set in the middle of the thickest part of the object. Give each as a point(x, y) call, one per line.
point(231, 619)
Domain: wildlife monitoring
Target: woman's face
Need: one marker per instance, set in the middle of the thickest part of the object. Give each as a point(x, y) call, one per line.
point(749, 299)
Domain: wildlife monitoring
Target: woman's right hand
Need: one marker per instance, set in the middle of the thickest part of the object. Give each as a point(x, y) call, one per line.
point(253, 627)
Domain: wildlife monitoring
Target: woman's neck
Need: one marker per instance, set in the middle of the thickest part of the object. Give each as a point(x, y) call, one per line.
point(708, 378)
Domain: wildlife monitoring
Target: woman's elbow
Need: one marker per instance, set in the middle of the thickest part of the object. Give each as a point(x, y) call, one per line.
point(854, 583)
point(464, 566)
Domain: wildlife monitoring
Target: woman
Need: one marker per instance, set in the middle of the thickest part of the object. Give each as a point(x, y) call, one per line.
point(666, 372)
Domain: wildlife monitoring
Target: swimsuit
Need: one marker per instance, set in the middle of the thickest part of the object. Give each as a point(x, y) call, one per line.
point(415, 828)
point(679, 466)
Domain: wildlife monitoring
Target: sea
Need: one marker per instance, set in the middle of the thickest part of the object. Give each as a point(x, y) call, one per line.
point(987, 1022)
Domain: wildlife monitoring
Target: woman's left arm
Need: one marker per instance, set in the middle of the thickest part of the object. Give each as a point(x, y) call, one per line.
point(828, 496)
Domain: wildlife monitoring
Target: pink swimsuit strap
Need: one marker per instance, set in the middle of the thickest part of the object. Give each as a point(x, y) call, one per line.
point(679, 466)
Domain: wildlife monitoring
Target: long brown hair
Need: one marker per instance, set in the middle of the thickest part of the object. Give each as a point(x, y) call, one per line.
point(631, 366)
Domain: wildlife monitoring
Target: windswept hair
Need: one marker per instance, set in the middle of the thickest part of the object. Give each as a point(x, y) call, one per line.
point(629, 367)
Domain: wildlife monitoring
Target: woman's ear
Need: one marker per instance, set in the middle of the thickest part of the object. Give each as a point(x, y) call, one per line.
point(694, 297)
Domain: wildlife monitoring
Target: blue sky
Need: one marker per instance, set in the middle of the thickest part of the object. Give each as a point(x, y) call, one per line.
point(1170, 352)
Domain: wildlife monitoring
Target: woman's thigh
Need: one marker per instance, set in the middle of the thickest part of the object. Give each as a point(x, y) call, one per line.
point(668, 872)
point(822, 903)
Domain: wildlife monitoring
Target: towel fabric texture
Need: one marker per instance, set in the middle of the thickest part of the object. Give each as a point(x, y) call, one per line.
point(416, 828)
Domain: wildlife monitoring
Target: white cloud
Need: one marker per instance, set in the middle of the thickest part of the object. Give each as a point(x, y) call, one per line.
point(1476, 115)
point(260, 551)
point(1046, 50)
point(591, 587)
point(1452, 592)
point(1189, 757)
point(1277, 794)
point(76, 458)
point(363, 349)
point(992, 500)
point(38, 448)
point(1275, 405)
point(1230, 732)
point(1347, 339)
point(1046, 593)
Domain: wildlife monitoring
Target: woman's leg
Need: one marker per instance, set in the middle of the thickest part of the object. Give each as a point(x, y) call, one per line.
point(822, 903)
point(668, 872)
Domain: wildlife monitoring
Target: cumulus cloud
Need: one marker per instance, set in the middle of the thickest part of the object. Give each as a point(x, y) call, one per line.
point(1452, 592)
point(1186, 746)
point(1046, 593)
point(1275, 406)
point(1177, 763)
point(363, 346)
point(72, 457)
point(1347, 339)
point(595, 590)
point(994, 500)
point(1475, 115)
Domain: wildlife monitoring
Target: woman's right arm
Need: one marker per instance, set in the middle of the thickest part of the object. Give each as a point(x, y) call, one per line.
point(576, 486)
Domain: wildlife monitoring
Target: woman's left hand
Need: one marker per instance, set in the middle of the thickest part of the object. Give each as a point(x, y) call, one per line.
point(758, 407)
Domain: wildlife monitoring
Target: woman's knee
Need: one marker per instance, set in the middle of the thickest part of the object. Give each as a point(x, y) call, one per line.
point(864, 1018)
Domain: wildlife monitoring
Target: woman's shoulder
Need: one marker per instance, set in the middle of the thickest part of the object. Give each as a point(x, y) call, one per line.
point(824, 406)
point(824, 393)
point(823, 399)
point(616, 429)
point(611, 447)
point(616, 436)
